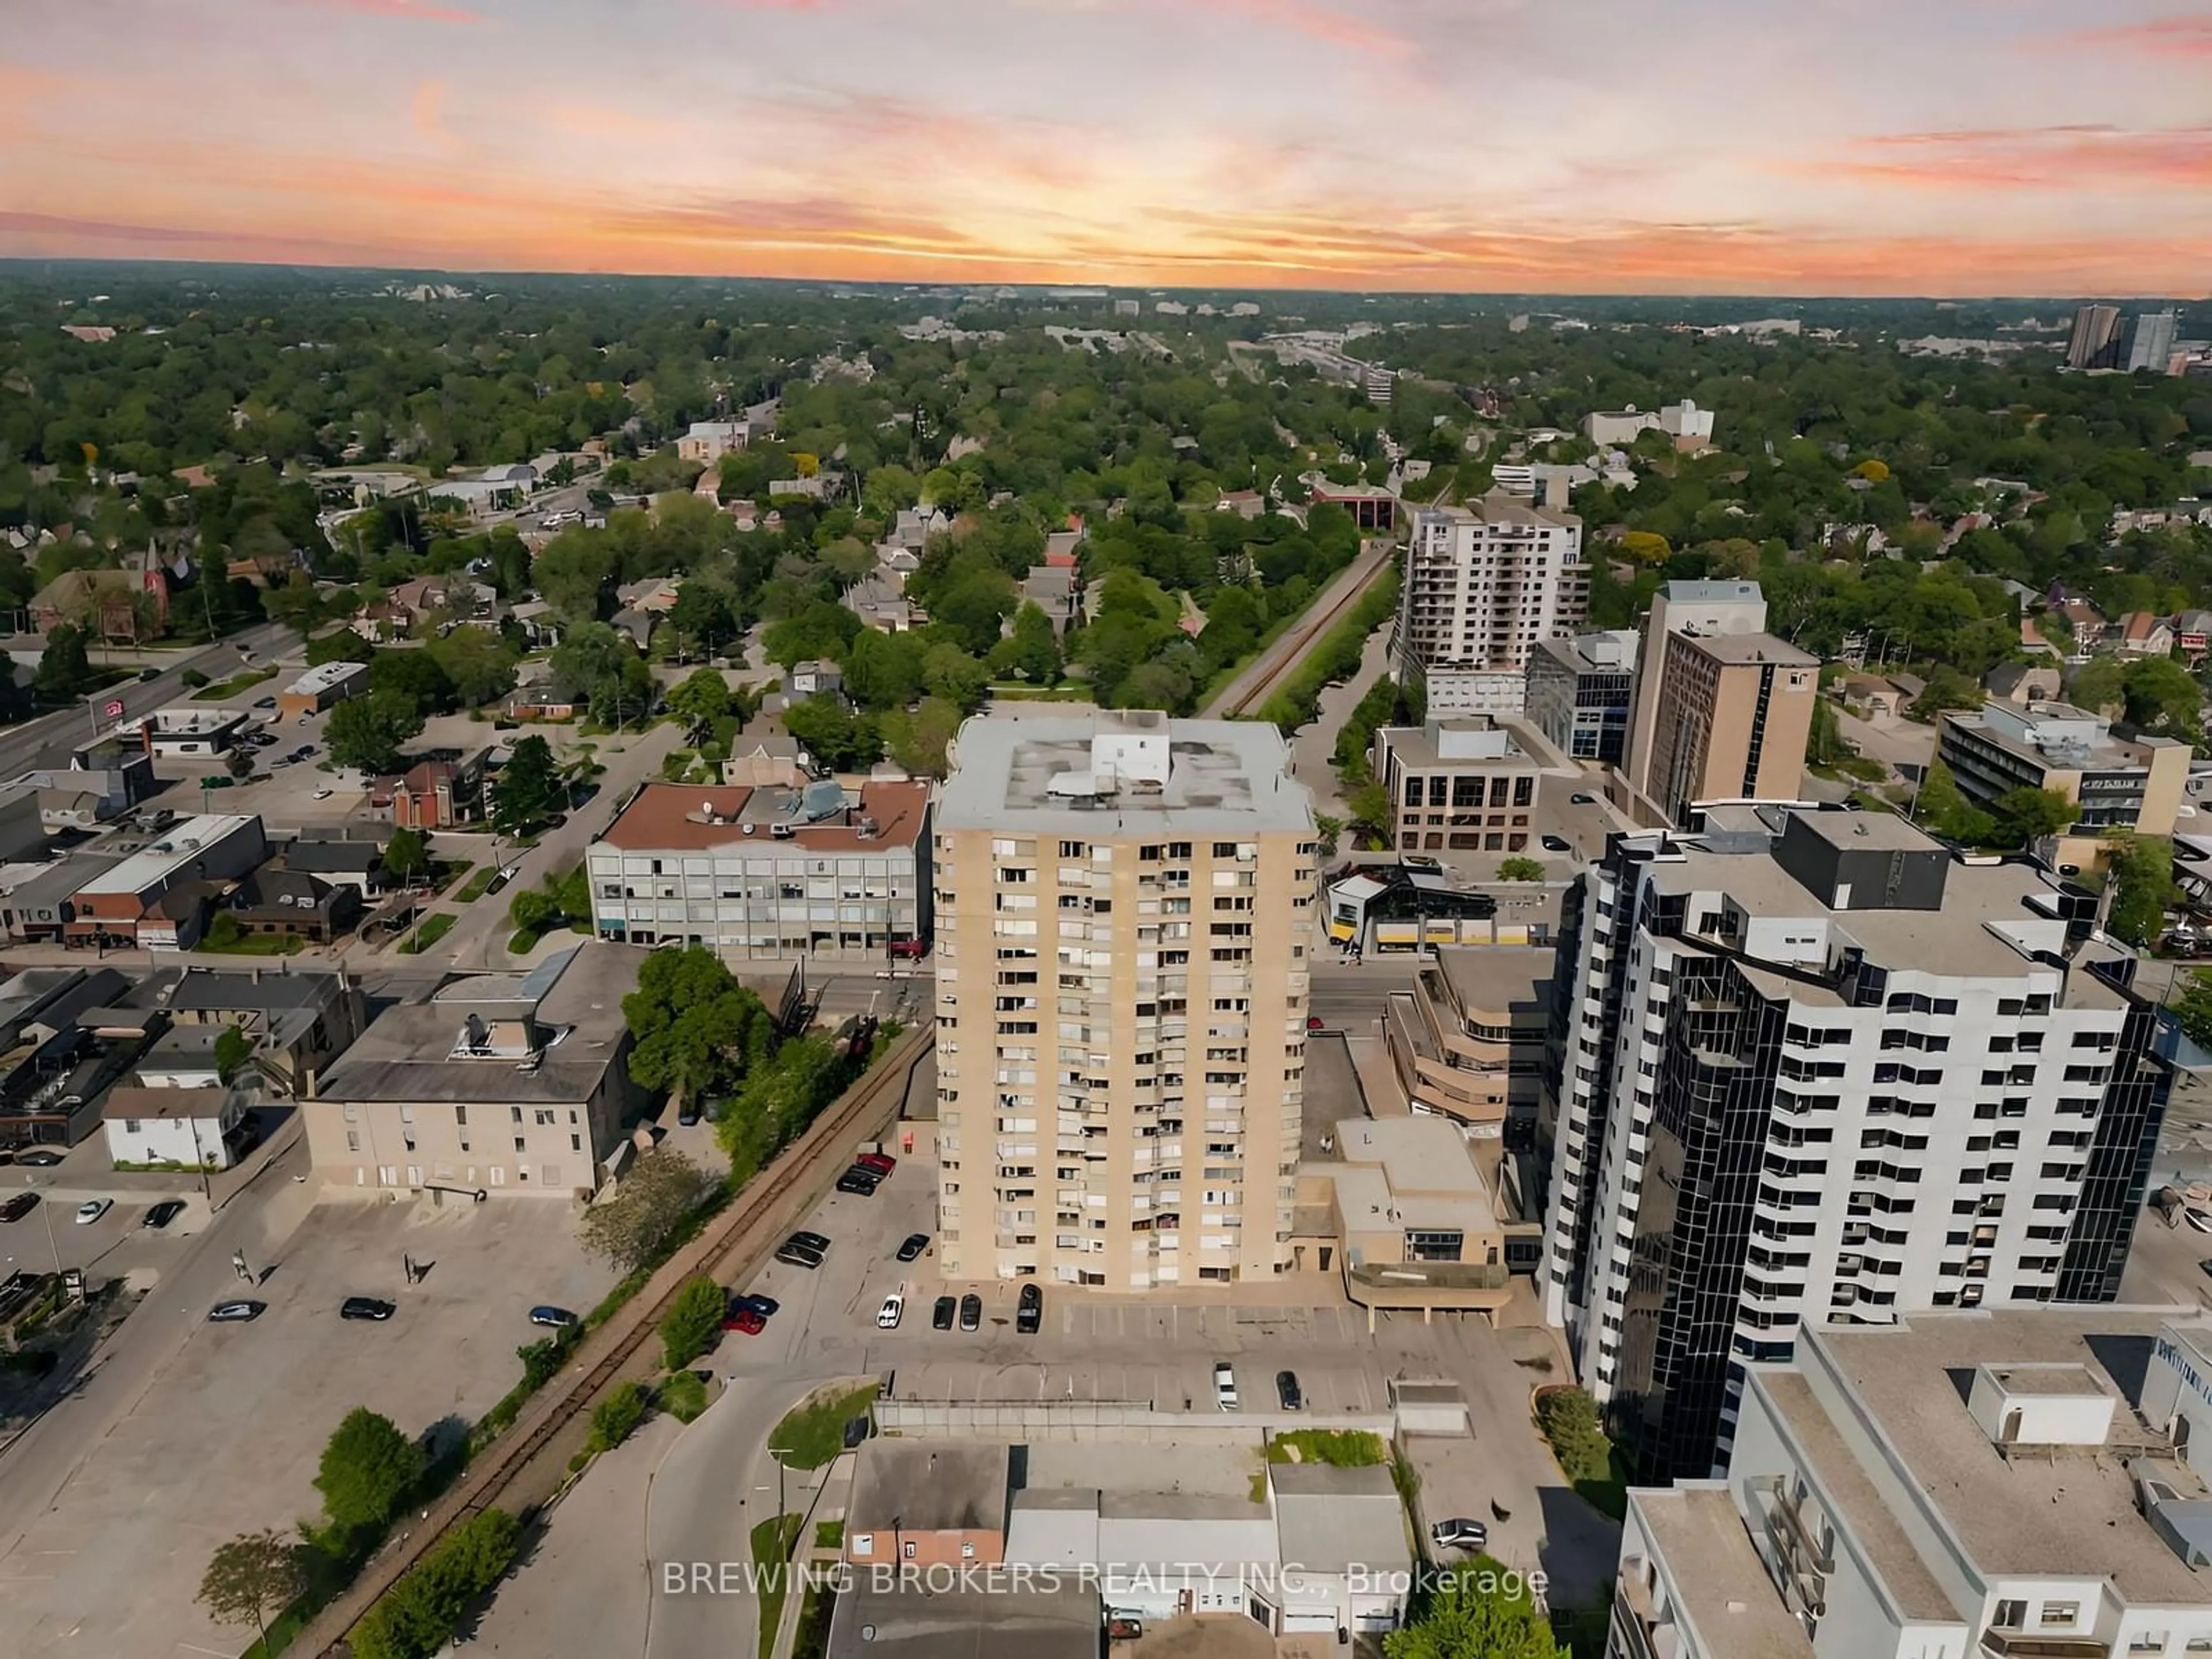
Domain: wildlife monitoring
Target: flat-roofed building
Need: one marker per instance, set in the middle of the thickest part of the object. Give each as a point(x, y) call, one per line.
point(324, 686)
point(1704, 608)
point(2121, 783)
point(1484, 583)
point(1464, 785)
point(184, 732)
point(2007, 1483)
point(1124, 916)
point(501, 1083)
point(1468, 1041)
point(1580, 690)
point(768, 873)
point(1810, 1067)
point(125, 903)
point(1734, 715)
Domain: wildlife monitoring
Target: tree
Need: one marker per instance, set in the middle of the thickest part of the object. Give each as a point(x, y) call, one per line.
point(629, 1226)
point(2141, 872)
point(688, 1328)
point(1646, 548)
point(2099, 686)
point(368, 1469)
point(65, 667)
point(527, 791)
point(952, 674)
point(253, 1576)
point(2162, 699)
point(696, 1028)
point(417, 675)
point(1825, 743)
point(624, 1408)
point(2193, 1007)
point(340, 645)
point(1942, 806)
point(1520, 869)
point(368, 732)
point(2026, 815)
point(701, 617)
point(239, 763)
point(700, 701)
point(1032, 650)
point(1946, 689)
point(833, 735)
point(415, 1618)
point(233, 1049)
point(1476, 1612)
point(407, 854)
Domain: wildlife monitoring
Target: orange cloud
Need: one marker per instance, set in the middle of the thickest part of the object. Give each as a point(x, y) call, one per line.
point(1317, 22)
point(2178, 37)
point(2026, 158)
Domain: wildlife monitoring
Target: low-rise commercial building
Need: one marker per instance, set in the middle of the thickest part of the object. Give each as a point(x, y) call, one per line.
point(1465, 785)
point(322, 687)
point(768, 873)
point(298, 1020)
point(2120, 782)
point(2004, 1483)
point(927, 1502)
point(174, 733)
point(195, 1129)
point(501, 1083)
point(128, 903)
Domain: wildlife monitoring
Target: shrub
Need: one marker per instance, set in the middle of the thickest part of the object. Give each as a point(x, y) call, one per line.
point(613, 1417)
point(683, 1396)
point(193, 679)
point(688, 1328)
point(416, 1617)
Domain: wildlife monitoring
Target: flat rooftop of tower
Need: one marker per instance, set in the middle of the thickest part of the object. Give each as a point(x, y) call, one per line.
point(1101, 776)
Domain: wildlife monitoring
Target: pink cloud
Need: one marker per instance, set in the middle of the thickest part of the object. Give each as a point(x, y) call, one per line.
point(419, 11)
point(1317, 23)
point(2026, 158)
point(2163, 37)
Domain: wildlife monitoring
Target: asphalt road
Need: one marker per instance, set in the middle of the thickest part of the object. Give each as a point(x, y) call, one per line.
point(47, 741)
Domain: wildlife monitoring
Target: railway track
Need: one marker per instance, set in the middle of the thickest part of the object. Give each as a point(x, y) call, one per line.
point(1295, 644)
point(745, 1230)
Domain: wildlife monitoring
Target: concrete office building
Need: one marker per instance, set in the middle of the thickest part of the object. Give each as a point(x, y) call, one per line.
point(1702, 607)
point(1806, 1067)
point(2095, 341)
point(1484, 584)
point(2152, 345)
point(2015, 1482)
point(2120, 783)
point(1731, 721)
point(1465, 785)
point(1125, 914)
point(1580, 691)
point(768, 873)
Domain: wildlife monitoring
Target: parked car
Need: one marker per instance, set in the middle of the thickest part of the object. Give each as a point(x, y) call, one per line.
point(814, 1242)
point(323, 793)
point(235, 1313)
point(971, 1311)
point(915, 1245)
point(1287, 1392)
point(265, 703)
point(765, 1306)
point(1314, 1022)
point(366, 1307)
point(163, 1213)
point(940, 1314)
point(858, 1181)
point(1554, 844)
point(1583, 800)
point(91, 1209)
point(887, 1317)
point(1224, 1386)
point(1029, 1312)
point(19, 1206)
point(559, 1319)
point(2197, 1218)
point(687, 1113)
point(1459, 1534)
point(39, 1158)
point(793, 1254)
point(882, 1162)
point(908, 950)
point(744, 1320)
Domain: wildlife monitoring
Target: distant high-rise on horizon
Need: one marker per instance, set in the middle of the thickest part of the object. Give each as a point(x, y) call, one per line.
point(2095, 341)
point(2151, 346)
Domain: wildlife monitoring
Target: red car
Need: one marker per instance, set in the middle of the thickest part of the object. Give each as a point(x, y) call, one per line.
point(745, 1319)
point(882, 1162)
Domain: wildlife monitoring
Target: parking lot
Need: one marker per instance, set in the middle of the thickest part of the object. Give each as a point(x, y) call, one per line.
point(226, 1437)
point(286, 796)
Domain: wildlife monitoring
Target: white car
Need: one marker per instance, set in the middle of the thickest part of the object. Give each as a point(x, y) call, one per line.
point(2197, 1218)
point(91, 1209)
point(1224, 1386)
point(324, 794)
point(887, 1317)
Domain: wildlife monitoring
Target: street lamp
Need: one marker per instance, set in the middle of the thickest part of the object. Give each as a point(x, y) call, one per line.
point(47, 1211)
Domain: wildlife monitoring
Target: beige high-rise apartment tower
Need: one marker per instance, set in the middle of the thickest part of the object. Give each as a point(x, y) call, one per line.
point(1125, 918)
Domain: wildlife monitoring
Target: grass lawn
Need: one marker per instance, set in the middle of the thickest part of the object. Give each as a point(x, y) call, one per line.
point(257, 945)
point(829, 1535)
point(234, 685)
point(811, 1640)
point(477, 884)
point(683, 1396)
point(1340, 1449)
point(813, 1432)
point(430, 933)
point(772, 1542)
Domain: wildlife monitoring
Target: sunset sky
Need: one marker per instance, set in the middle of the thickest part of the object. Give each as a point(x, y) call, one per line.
point(1732, 146)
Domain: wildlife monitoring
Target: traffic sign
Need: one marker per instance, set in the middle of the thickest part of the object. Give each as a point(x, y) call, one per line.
point(114, 710)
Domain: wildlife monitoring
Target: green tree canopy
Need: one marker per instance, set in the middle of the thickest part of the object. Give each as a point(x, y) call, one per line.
point(368, 1469)
point(368, 732)
point(1474, 1614)
point(696, 1028)
point(527, 791)
point(251, 1577)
